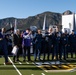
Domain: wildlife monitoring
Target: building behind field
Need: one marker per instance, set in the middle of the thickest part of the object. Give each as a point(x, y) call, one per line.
point(69, 22)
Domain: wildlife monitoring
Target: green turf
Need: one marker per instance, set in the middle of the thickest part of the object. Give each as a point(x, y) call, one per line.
point(26, 69)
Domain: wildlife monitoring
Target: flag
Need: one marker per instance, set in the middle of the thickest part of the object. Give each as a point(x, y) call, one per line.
point(11, 25)
point(15, 26)
point(44, 26)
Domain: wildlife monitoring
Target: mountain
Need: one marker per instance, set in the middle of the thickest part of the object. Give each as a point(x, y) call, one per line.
point(67, 12)
point(52, 18)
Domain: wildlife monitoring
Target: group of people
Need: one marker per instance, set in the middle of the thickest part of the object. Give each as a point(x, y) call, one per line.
point(55, 43)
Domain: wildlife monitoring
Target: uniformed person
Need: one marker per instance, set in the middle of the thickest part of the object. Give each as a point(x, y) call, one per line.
point(3, 45)
point(72, 39)
point(38, 41)
point(44, 47)
point(68, 44)
point(64, 43)
point(50, 42)
point(56, 46)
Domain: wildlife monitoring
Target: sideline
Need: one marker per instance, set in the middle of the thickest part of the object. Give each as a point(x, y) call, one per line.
point(14, 66)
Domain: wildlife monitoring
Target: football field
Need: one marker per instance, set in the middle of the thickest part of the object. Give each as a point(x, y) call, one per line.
point(34, 68)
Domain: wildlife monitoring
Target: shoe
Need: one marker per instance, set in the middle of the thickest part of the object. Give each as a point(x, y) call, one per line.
point(8, 63)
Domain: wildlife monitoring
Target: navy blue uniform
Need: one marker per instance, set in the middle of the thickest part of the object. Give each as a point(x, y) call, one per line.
point(50, 44)
point(38, 41)
point(44, 47)
point(72, 40)
point(56, 47)
point(64, 43)
point(68, 45)
point(3, 46)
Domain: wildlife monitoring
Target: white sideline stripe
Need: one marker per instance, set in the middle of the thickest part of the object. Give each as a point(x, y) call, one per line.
point(27, 62)
point(32, 74)
point(14, 66)
point(20, 63)
point(42, 73)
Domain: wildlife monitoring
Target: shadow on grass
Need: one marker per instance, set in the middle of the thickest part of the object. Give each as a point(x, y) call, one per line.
point(71, 60)
point(20, 68)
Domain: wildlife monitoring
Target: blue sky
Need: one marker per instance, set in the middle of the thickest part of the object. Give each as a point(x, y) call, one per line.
point(26, 8)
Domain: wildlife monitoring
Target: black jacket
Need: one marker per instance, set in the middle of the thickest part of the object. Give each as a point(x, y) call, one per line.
point(16, 39)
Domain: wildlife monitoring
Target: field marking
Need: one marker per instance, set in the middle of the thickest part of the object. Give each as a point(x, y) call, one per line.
point(20, 63)
point(32, 74)
point(14, 66)
point(73, 70)
point(27, 62)
point(4, 64)
point(42, 73)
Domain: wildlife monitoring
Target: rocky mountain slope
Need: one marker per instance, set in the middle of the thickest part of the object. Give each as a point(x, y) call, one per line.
point(52, 18)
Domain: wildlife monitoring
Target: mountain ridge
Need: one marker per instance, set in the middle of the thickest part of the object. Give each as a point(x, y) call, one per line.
point(52, 18)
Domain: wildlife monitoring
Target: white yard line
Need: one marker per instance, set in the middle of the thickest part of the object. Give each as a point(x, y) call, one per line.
point(14, 66)
point(20, 63)
point(27, 62)
point(32, 74)
point(42, 73)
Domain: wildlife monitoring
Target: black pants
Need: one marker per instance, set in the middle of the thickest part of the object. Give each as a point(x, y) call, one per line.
point(3, 47)
point(73, 50)
point(55, 52)
point(26, 49)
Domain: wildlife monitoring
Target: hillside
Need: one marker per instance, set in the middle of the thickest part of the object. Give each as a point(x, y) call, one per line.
point(52, 18)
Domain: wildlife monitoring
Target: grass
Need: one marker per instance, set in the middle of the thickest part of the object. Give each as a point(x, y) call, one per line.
point(28, 69)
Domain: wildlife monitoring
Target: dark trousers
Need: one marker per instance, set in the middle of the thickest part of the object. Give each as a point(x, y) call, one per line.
point(73, 50)
point(37, 52)
point(44, 50)
point(26, 49)
point(3, 47)
point(63, 52)
point(55, 52)
point(49, 51)
point(34, 47)
point(67, 50)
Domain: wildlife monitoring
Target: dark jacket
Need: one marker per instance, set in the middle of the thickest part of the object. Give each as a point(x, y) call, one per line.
point(16, 39)
point(72, 39)
point(56, 40)
point(50, 39)
point(38, 39)
point(64, 40)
